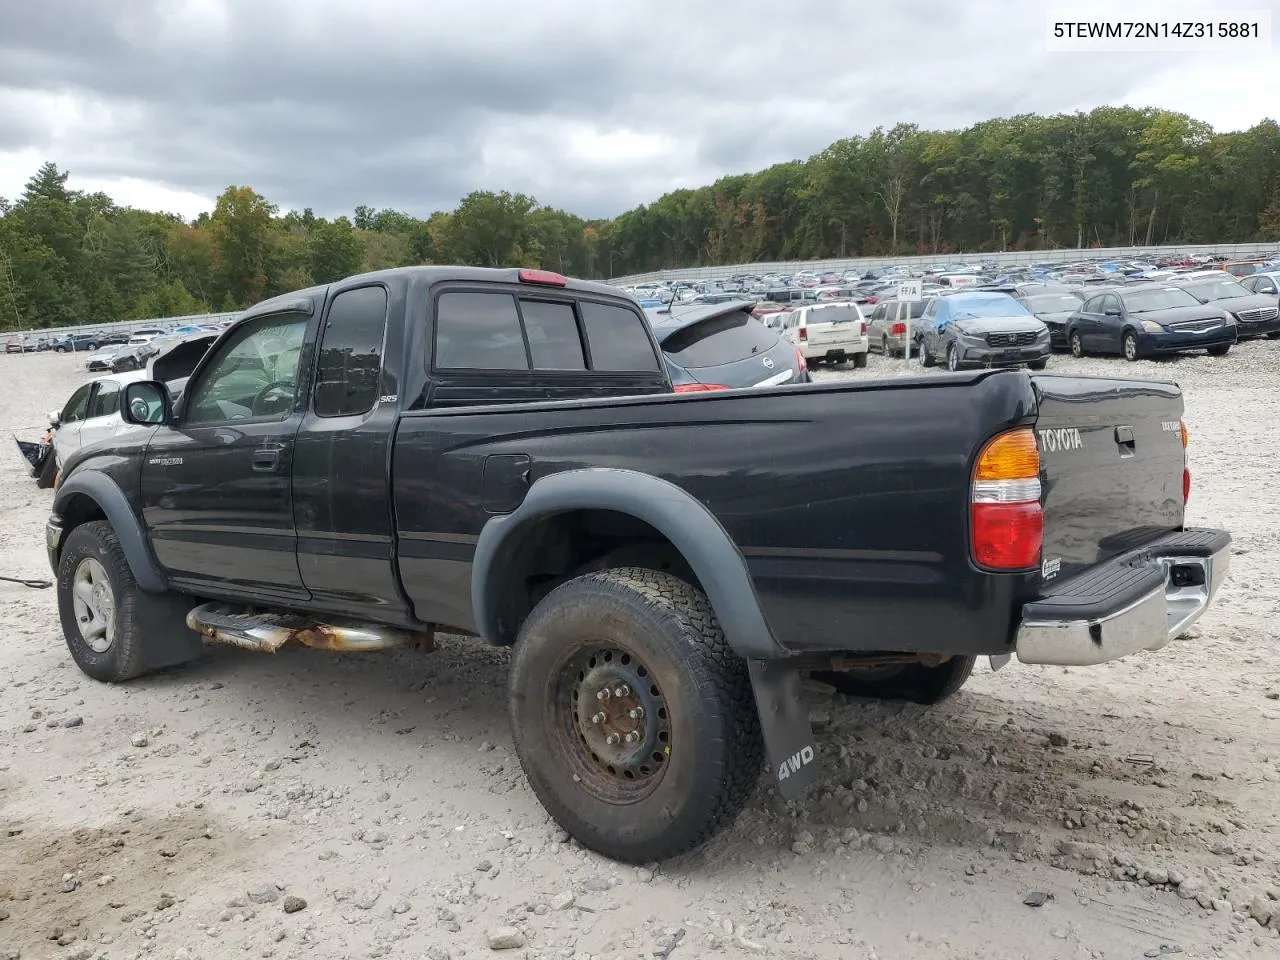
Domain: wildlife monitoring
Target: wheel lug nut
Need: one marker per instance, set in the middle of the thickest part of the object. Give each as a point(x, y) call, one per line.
point(637, 713)
point(632, 737)
point(622, 690)
point(603, 694)
point(598, 718)
point(611, 739)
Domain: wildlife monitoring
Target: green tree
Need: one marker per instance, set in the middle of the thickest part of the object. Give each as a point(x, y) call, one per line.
point(336, 251)
point(241, 230)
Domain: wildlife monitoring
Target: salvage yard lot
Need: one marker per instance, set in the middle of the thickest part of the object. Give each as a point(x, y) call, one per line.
point(174, 816)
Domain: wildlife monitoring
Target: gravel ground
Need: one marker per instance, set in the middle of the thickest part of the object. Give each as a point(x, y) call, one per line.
point(307, 805)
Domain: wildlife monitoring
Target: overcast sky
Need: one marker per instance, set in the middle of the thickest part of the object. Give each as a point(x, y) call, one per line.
point(590, 105)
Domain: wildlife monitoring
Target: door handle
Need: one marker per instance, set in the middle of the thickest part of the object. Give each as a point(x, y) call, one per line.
point(1124, 439)
point(266, 461)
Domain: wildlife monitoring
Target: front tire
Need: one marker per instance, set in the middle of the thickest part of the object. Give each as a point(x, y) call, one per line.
point(1077, 345)
point(953, 356)
point(926, 358)
point(97, 598)
point(1039, 364)
point(1220, 351)
point(1129, 346)
point(634, 721)
point(914, 682)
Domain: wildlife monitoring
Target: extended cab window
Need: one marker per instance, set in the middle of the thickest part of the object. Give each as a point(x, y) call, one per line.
point(618, 337)
point(479, 331)
point(106, 400)
point(255, 373)
point(350, 368)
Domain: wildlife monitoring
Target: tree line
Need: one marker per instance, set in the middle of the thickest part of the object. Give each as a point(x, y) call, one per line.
point(1115, 176)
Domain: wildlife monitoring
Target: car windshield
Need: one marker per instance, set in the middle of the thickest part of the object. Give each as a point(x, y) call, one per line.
point(1208, 290)
point(993, 305)
point(1053, 303)
point(1164, 298)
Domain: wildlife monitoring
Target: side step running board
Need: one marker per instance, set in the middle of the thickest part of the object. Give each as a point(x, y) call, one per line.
point(268, 632)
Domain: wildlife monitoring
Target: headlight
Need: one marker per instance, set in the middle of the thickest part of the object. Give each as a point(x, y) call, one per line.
point(1229, 317)
point(1152, 327)
point(1043, 334)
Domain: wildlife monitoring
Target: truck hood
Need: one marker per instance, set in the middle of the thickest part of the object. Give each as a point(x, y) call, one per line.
point(980, 326)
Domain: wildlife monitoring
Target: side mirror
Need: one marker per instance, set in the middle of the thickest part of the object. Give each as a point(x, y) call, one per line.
point(1112, 312)
point(55, 419)
point(146, 404)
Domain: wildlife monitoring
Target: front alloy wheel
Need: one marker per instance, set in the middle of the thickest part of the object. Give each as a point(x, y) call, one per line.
point(953, 356)
point(1130, 344)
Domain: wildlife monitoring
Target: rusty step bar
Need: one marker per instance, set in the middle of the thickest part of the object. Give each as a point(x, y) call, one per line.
point(267, 631)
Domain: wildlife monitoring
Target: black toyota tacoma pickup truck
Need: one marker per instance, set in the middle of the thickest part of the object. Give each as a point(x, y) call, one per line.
point(500, 453)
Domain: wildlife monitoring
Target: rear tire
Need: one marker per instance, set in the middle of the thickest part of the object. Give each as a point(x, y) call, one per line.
point(859, 361)
point(698, 751)
point(914, 682)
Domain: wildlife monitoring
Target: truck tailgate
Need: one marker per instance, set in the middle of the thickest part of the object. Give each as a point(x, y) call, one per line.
point(1112, 457)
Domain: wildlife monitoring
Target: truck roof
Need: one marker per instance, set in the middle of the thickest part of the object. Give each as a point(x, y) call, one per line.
point(440, 274)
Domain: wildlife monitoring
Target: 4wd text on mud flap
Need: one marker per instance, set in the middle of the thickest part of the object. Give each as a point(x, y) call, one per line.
point(1062, 438)
point(793, 763)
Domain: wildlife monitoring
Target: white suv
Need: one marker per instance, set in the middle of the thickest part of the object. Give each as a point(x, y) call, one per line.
point(835, 332)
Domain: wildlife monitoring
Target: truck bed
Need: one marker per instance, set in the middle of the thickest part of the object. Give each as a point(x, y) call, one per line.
point(848, 501)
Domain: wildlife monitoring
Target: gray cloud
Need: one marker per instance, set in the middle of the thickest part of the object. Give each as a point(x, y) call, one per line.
point(331, 103)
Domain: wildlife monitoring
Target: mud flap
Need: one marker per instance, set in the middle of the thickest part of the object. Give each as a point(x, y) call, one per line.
point(784, 722)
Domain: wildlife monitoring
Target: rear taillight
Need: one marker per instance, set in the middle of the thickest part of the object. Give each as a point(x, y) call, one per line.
point(1186, 471)
point(801, 363)
point(898, 329)
point(864, 328)
point(804, 333)
point(1007, 520)
point(699, 387)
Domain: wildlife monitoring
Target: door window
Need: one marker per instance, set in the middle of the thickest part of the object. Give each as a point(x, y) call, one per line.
point(106, 399)
point(1092, 305)
point(77, 406)
point(255, 374)
point(1110, 302)
point(349, 372)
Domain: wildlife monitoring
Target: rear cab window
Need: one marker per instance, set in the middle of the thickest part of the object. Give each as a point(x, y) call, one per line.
point(500, 343)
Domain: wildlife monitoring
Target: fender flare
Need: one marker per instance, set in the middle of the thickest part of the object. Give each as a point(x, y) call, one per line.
point(701, 539)
point(103, 491)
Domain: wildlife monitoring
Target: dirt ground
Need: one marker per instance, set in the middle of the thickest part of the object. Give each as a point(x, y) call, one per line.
point(307, 805)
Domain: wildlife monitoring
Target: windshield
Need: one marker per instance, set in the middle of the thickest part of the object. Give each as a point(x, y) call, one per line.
point(1208, 290)
point(976, 308)
point(1165, 298)
point(1054, 303)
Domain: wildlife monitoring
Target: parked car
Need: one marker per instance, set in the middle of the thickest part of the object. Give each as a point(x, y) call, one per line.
point(1267, 284)
point(721, 347)
point(92, 413)
point(78, 342)
point(828, 333)
point(1256, 314)
point(15, 345)
point(1052, 306)
point(887, 325)
point(1147, 320)
point(659, 564)
point(106, 358)
point(981, 329)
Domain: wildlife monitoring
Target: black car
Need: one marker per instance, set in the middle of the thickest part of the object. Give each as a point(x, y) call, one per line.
point(1053, 306)
point(723, 347)
point(1145, 320)
point(1256, 314)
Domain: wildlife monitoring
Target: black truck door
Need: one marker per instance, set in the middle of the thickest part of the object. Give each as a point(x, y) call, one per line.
point(341, 493)
point(216, 489)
